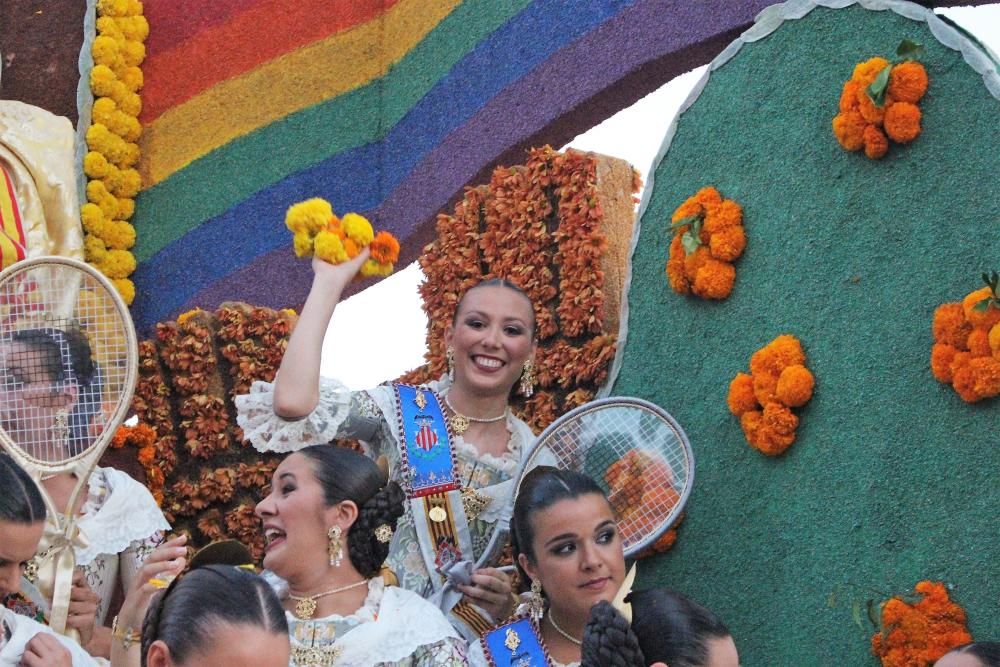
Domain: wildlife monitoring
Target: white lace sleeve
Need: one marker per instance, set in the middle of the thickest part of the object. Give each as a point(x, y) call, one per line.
point(268, 432)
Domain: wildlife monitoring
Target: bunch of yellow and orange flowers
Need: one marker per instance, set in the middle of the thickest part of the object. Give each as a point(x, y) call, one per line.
point(318, 231)
point(879, 103)
point(708, 238)
point(763, 400)
point(921, 631)
point(966, 350)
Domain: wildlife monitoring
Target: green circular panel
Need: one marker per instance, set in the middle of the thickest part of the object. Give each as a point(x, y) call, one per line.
point(892, 478)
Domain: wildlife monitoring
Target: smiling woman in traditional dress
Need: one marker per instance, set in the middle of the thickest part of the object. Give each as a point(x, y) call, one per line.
point(453, 444)
point(327, 523)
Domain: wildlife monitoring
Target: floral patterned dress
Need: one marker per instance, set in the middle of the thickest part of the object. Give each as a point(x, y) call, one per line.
point(371, 416)
point(392, 628)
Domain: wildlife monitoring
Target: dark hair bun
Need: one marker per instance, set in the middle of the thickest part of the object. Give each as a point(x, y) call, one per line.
point(608, 640)
point(366, 551)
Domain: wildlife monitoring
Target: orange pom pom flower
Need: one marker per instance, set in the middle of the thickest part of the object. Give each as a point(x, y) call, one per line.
point(779, 381)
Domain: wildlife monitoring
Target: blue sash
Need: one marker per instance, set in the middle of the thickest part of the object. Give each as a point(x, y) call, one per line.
point(515, 644)
point(426, 447)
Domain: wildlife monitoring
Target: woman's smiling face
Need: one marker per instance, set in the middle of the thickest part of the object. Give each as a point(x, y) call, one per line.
point(492, 337)
point(294, 517)
point(577, 554)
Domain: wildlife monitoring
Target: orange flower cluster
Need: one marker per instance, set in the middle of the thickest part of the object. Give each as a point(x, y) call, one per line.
point(637, 481)
point(863, 124)
point(253, 341)
point(537, 225)
point(708, 238)
point(966, 350)
point(778, 381)
point(188, 376)
point(917, 633)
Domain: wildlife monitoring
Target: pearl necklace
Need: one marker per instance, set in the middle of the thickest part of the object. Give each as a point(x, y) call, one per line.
point(460, 423)
point(552, 620)
point(306, 605)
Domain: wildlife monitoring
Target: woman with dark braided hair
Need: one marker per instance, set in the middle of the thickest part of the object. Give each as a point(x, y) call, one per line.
point(50, 392)
point(328, 523)
point(25, 642)
point(217, 613)
point(667, 630)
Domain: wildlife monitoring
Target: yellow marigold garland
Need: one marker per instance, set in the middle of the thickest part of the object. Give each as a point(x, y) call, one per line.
point(708, 238)
point(318, 231)
point(778, 381)
point(879, 103)
point(115, 80)
point(966, 349)
point(919, 630)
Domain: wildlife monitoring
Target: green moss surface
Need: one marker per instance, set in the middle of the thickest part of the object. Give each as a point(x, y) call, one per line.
point(892, 478)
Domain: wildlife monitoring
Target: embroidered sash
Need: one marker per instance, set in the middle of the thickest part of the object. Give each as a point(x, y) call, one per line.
point(439, 517)
point(515, 644)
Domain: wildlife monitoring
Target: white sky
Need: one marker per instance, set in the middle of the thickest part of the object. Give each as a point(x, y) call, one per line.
point(387, 316)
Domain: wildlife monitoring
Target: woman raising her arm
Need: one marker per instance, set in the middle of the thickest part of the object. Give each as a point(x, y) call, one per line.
point(452, 444)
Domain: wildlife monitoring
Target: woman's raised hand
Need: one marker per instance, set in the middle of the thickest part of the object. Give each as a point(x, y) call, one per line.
point(337, 276)
point(165, 561)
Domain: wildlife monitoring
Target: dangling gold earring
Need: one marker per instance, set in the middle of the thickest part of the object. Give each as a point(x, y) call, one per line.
point(335, 548)
point(60, 428)
point(527, 387)
point(449, 354)
point(536, 603)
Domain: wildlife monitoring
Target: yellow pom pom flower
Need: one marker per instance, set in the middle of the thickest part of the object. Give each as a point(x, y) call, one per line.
point(102, 80)
point(126, 288)
point(303, 244)
point(119, 235)
point(329, 247)
point(309, 216)
point(108, 26)
point(358, 229)
point(126, 208)
point(91, 216)
point(133, 53)
point(105, 51)
point(132, 103)
point(372, 268)
point(103, 110)
point(133, 79)
point(94, 249)
point(95, 165)
point(118, 264)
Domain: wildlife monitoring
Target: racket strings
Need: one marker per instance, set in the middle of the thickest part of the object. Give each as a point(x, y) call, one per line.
point(638, 457)
point(63, 361)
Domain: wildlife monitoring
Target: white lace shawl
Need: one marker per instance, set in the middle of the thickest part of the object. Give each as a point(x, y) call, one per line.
point(390, 626)
point(22, 630)
point(128, 513)
point(122, 524)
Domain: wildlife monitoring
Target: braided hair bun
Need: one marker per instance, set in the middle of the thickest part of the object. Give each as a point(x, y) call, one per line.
point(608, 640)
point(345, 474)
point(366, 547)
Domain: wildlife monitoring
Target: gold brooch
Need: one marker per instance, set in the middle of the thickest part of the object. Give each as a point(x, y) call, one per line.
point(474, 502)
point(437, 514)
